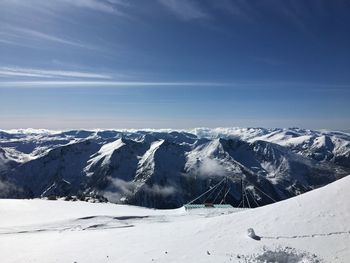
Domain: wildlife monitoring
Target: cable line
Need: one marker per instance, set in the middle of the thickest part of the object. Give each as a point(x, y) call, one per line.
point(246, 196)
point(206, 192)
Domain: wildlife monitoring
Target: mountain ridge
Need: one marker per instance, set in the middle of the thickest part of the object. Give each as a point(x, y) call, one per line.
point(165, 169)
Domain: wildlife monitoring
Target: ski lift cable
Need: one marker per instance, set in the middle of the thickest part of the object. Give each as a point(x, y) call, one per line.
point(213, 189)
point(205, 192)
point(209, 196)
point(240, 203)
point(265, 193)
point(246, 196)
point(260, 190)
point(242, 193)
point(224, 198)
point(253, 199)
point(222, 188)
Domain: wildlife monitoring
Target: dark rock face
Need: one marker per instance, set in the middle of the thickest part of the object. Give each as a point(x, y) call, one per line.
point(169, 169)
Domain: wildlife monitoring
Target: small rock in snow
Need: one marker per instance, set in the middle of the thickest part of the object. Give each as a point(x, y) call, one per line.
point(251, 234)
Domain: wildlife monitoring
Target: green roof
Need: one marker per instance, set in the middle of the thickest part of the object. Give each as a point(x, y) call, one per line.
point(195, 206)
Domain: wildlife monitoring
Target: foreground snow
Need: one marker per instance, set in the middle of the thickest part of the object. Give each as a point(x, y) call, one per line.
point(313, 227)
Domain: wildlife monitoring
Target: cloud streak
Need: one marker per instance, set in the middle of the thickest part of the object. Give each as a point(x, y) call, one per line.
point(86, 83)
point(76, 79)
point(238, 9)
point(120, 191)
point(105, 6)
point(40, 73)
point(109, 6)
point(184, 9)
point(15, 33)
point(6, 188)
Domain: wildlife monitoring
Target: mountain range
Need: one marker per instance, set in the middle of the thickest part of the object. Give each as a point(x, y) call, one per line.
point(169, 168)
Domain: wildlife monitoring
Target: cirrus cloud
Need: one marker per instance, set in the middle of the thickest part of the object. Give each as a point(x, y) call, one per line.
point(42, 73)
point(184, 9)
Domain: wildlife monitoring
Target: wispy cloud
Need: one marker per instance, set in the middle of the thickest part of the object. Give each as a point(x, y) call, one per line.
point(49, 7)
point(107, 6)
point(6, 188)
point(8, 42)
point(91, 81)
point(239, 9)
point(40, 73)
point(184, 9)
point(17, 33)
point(82, 83)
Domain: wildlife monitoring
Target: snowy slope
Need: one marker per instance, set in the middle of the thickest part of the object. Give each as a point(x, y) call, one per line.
point(104, 155)
point(313, 227)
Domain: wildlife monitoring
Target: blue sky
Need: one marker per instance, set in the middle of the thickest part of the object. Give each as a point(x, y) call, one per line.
point(174, 64)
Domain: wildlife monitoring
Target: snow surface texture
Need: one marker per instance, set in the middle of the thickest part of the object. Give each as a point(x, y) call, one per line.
point(313, 227)
point(165, 168)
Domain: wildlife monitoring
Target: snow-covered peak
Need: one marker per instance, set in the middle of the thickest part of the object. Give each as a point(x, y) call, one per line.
point(104, 154)
point(146, 164)
point(108, 148)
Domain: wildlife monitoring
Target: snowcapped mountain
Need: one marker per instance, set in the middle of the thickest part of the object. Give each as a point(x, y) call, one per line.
point(318, 145)
point(165, 168)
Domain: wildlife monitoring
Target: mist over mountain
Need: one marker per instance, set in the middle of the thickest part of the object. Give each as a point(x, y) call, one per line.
point(168, 168)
